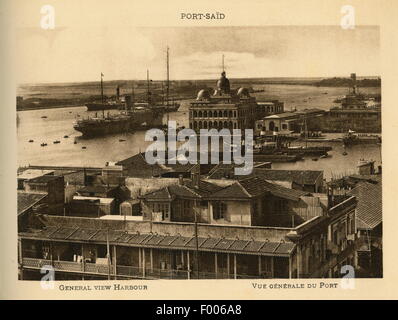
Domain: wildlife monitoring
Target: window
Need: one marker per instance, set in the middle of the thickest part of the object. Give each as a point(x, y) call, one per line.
point(203, 203)
point(219, 209)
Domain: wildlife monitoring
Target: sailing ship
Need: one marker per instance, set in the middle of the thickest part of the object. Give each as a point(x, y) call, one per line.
point(130, 119)
point(167, 104)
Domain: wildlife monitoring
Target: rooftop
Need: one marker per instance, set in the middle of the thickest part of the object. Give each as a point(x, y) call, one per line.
point(44, 179)
point(254, 187)
point(282, 115)
point(186, 190)
point(28, 199)
point(96, 189)
point(281, 248)
point(299, 176)
point(34, 173)
point(369, 207)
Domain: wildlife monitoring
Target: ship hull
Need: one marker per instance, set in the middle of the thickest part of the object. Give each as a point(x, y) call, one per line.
point(134, 122)
point(100, 106)
point(366, 140)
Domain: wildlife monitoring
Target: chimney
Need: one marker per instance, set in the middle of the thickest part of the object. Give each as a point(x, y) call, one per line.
point(180, 179)
point(195, 176)
point(117, 93)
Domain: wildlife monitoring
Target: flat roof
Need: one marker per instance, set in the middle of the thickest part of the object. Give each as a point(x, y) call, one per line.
point(102, 200)
point(34, 173)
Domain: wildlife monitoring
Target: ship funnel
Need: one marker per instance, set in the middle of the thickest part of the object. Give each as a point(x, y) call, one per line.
point(128, 102)
point(117, 93)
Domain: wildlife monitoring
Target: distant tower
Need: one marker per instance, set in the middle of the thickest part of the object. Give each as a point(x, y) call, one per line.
point(117, 93)
point(223, 85)
point(354, 82)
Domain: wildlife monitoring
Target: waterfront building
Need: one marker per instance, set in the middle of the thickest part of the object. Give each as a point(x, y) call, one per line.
point(357, 112)
point(225, 109)
point(289, 122)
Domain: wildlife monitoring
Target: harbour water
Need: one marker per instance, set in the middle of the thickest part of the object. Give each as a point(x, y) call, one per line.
point(59, 123)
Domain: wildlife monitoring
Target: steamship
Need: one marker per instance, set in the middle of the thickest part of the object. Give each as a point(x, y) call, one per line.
point(105, 105)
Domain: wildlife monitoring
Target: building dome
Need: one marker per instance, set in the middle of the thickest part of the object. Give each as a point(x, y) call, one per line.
point(223, 83)
point(243, 92)
point(203, 95)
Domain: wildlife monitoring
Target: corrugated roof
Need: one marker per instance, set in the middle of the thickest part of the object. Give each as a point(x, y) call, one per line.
point(138, 166)
point(254, 187)
point(162, 241)
point(298, 176)
point(187, 190)
point(369, 207)
point(28, 199)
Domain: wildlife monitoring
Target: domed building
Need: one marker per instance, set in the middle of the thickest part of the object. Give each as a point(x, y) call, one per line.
point(225, 109)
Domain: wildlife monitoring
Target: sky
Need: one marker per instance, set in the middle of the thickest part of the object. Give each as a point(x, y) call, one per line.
point(76, 53)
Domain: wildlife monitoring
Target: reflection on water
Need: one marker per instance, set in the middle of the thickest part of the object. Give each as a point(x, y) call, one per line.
point(59, 123)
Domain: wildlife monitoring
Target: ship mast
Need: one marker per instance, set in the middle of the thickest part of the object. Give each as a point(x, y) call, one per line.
point(132, 95)
point(168, 77)
point(102, 96)
point(223, 67)
point(147, 84)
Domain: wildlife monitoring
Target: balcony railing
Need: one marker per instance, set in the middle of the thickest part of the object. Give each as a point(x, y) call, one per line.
point(128, 271)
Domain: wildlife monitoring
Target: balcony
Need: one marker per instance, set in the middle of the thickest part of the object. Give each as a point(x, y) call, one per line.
point(127, 271)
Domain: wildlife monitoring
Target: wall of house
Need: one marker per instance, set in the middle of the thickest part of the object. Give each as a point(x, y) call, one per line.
point(91, 209)
point(236, 213)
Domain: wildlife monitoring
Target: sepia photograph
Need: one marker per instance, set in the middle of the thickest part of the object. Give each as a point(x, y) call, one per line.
point(199, 152)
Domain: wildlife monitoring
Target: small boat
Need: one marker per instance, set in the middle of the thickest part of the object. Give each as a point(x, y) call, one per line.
point(31, 140)
point(122, 140)
point(84, 147)
point(43, 144)
point(56, 141)
point(314, 159)
point(323, 156)
point(344, 153)
point(74, 142)
point(44, 117)
point(66, 137)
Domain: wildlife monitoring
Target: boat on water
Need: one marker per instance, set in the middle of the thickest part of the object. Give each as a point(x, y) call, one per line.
point(105, 105)
point(353, 138)
point(126, 121)
point(166, 104)
point(56, 141)
point(276, 157)
point(43, 144)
